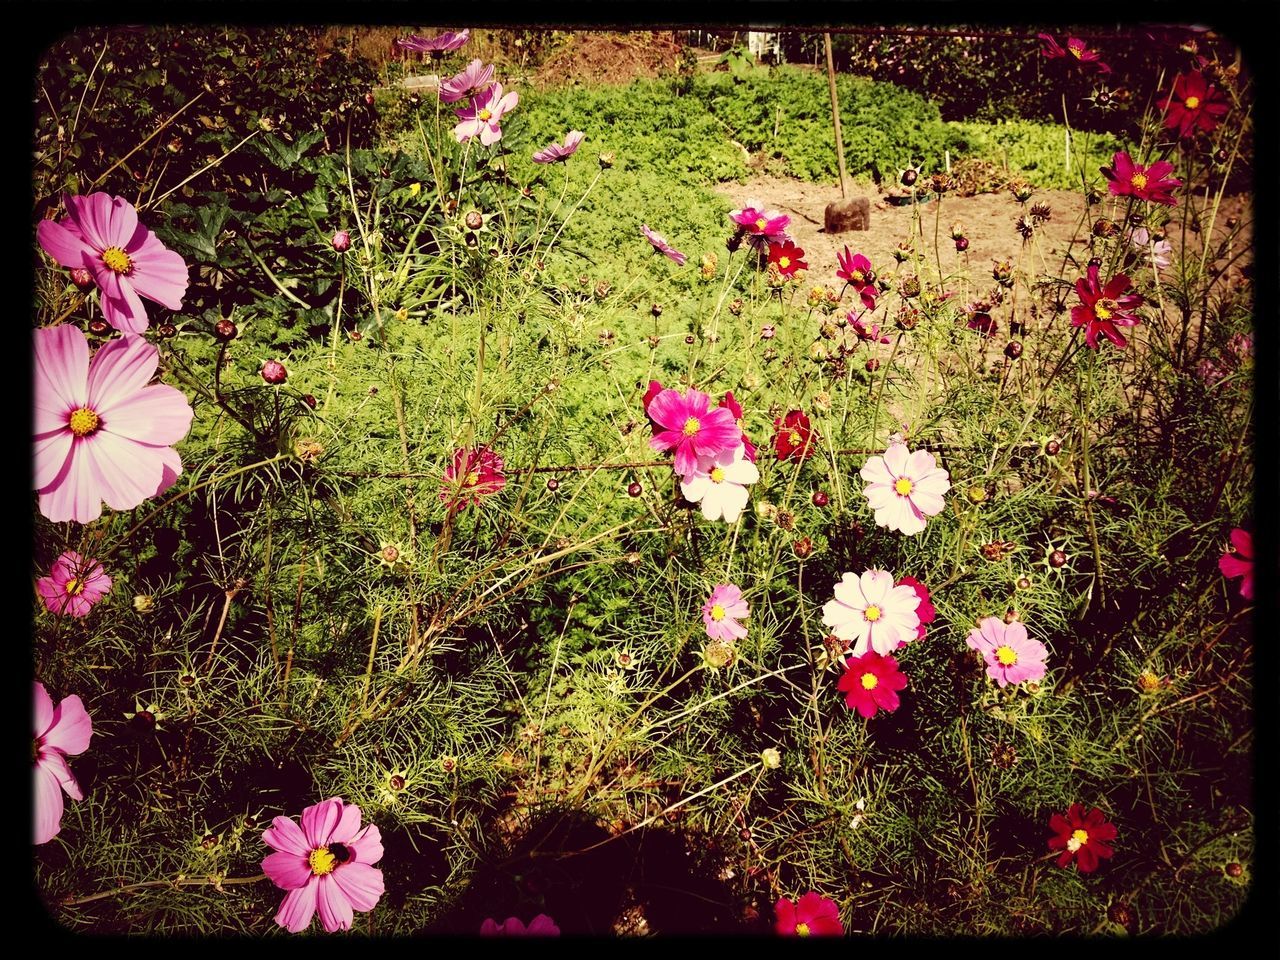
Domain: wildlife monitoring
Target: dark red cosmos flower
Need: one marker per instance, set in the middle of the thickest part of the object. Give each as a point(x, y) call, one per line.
point(870, 683)
point(734, 407)
point(1082, 836)
point(813, 915)
point(655, 388)
point(980, 319)
point(788, 258)
point(867, 333)
point(794, 440)
point(1129, 179)
point(855, 269)
point(1075, 48)
point(1195, 104)
point(1239, 561)
point(927, 612)
point(472, 475)
point(1102, 309)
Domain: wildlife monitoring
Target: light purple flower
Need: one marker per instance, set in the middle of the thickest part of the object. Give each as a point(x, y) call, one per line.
point(1011, 655)
point(1158, 253)
point(475, 79)
point(554, 152)
point(441, 44)
point(483, 117)
point(722, 611)
point(660, 244)
point(60, 732)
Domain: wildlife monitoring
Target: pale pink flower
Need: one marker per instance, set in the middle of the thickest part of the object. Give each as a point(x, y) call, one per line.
point(554, 152)
point(872, 613)
point(102, 234)
point(687, 422)
point(1011, 655)
point(904, 487)
point(325, 864)
point(441, 44)
point(74, 585)
point(101, 433)
point(476, 78)
point(60, 732)
point(719, 484)
point(483, 118)
point(539, 926)
point(1158, 253)
point(722, 611)
point(660, 244)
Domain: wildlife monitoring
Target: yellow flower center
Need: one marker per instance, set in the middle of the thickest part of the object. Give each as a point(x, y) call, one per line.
point(794, 438)
point(1077, 51)
point(83, 422)
point(691, 427)
point(784, 262)
point(870, 681)
point(857, 276)
point(485, 114)
point(322, 861)
point(1006, 655)
point(802, 930)
point(117, 260)
point(717, 475)
point(472, 479)
point(1078, 839)
point(1103, 309)
point(1138, 181)
point(761, 223)
point(717, 612)
point(902, 486)
point(75, 587)
point(872, 613)
point(1191, 102)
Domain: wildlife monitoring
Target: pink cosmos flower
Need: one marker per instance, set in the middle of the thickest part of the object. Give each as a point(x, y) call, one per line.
point(539, 926)
point(475, 79)
point(855, 270)
point(872, 612)
point(1194, 104)
point(1075, 48)
point(325, 864)
point(904, 487)
point(73, 585)
point(1238, 562)
point(472, 475)
point(761, 224)
point(1239, 345)
point(102, 234)
point(722, 611)
point(867, 333)
point(483, 117)
point(927, 612)
point(101, 433)
point(1129, 179)
point(689, 425)
point(60, 732)
point(1158, 252)
point(554, 152)
point(1102, 309)
point(813, 915)
point(1011, 655)
point(1209, 372)
point(441, 44)
point(871, 683)
point(719, 483)
point(660, 244)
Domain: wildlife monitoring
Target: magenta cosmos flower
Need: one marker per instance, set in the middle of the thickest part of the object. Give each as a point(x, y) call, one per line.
point(475, 79)
point(788, 258)
point(813, 915)
point(1238, 561)
point(472, 475)
point(1193, 104)
point(102, 234)
point(444, 43)
point(689, 425)
point(904, 487)
point(1011, 655)
point(722, 611)
point(1102, 309)
point(1075, 48)
point(927, 612)
point(871, 684)
point(761, 224)
point(867, 332)
point(73, 585)
point(554, 152)
point(855, 270)
point(872, 612)
point(326, 864)
point(483, 118)
point(1129, 179)
point(660, 244)
point(734, 407)
point(1084, 837)
point(60, 732)
point(101, 432)
point(539, 926)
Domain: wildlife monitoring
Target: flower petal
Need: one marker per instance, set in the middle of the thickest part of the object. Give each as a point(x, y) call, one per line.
point(299, 907)
point(361, 884)
point(71, 728)
point(335, 909)
point(287, 870)
point(285, 834)
point(48, 804)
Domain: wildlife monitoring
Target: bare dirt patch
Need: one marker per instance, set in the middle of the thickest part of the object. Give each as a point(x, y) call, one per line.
point(610, 58)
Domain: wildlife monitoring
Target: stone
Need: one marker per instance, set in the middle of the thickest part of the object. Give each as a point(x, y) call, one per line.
point(844, 215)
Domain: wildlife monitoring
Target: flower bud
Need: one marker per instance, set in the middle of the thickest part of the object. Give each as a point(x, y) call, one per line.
point(82, 278)
point(341, 240)
point(634, 489)
point(909, 177)
point(909, 286)
point(1057, 559)
point(166, 331)
point(872, 365)
point(225, 330)
point(99, 328)
point(1013, 349)
point(962, 244)
point(802, 547)
point(606, 159)
point(553, 484)
point(820, 498)
point(273, 372)
point(771, 758)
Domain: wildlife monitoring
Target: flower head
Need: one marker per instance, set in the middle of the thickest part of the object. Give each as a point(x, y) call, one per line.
point(101, 433)
point(472, 475)
point(722, 611)
point(872, 612)
point(274, 372)
point(689, 425)
point(761, 224)
point(1103, 308)
point(719, 483)
point(795, 437)
point(1084, 837)
point(1011, 655)
point(73, 585)
point(554, 152)
point(855, 270)
point(927, 612)
point(813, 915)
point(1076, 48)
point(1193, 104)
point(539, 926)
point(325, 864)
point(483, 117)
point(660, 244)
point(341, 240)
point(1129, 179)
point(1238, 561)
point(904, 487)
point(475, 79)
point(441, 44)
point(1158, 252)
point(60, 732)
point(102, 234)
point(787, 257)
point(867, 332)
point(871, 683)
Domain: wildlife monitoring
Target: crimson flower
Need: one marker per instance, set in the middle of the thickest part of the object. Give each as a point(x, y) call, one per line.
point(855, 269)
point(1102, 309)
point(787, 256)
point(794, 440)
point(867, 332)
point(980, 319)
point(1194, 104)
point(1082, 836)
point(870, 684)
point(927, 612)
point(813, 915)
point(1238, 562)
point(734, 407)
point(1075, 48)
point(1129, 179)
point(472, 476)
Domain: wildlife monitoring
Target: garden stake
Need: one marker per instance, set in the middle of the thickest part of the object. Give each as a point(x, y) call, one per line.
point(843, 214)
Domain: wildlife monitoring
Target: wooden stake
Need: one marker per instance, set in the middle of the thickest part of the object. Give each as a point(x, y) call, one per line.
point(835, 115)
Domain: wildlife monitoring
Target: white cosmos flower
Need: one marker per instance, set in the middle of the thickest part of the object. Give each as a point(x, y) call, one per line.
point(903, 488)
point(720, 484)
point(872, 613)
